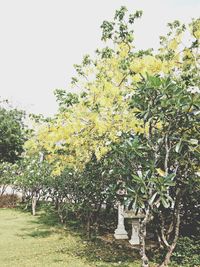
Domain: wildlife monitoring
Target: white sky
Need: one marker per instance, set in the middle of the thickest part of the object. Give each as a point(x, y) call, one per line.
point(40, 40)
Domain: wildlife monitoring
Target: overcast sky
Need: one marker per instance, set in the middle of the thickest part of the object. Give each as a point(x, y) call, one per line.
point(40, 40)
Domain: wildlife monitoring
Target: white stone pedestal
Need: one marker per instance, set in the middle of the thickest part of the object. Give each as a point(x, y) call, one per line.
point(135, 232)
point(120, 232)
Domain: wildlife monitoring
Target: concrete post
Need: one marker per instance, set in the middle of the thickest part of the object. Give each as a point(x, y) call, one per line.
point(120, 232)
point(135, 240)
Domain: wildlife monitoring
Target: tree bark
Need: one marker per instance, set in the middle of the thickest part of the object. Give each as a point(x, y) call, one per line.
point(34, 202)
point(142, 236)
point(88, 227)
point(176, 233)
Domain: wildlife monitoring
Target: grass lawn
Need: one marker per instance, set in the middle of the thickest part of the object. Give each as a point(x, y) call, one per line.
point(28, 241)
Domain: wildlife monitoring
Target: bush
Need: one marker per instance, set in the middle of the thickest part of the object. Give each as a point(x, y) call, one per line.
point(9, 201)
point(187, 252)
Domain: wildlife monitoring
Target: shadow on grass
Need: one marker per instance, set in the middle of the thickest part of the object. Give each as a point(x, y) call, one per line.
point(102, 254)
point(99, 250)
point(40, 233)
point(43, 222)
point(103, 248)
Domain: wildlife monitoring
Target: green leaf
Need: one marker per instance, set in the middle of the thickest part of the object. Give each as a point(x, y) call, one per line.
point(165, 203)
point(178, 146)
point(136, 178)
point(152, 198)
point(193, 141)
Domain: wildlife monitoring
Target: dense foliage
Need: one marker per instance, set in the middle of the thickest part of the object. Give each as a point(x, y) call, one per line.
point(12, 139)
point(12, 135)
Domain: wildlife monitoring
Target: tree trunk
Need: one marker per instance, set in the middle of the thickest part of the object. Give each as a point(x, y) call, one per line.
point(3, 189)
point(34, 202)
point(56, 202)
point(60, 211)
point(89, 225)
point(142, 236)
point(176, 233)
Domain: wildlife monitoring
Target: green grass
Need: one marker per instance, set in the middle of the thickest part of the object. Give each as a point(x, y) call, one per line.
point(28, 241)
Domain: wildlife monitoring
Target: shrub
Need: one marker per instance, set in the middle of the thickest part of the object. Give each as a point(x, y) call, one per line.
point(187, 252)
point(9, 201)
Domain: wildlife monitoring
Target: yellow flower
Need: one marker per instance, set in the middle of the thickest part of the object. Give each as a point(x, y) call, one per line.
point(187, 53)
point(160, 172)
point(152, 64)
point(173, 44)
point(159, 125)
point(123, 49)
point(137, 78)
point(197, 34)
point(56, 171)
point(137, 65)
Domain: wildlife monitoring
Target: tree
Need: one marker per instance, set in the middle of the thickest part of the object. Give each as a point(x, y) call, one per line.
point(12, 134)
point(32, 178)
point(7, 176)
point(12, 138)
